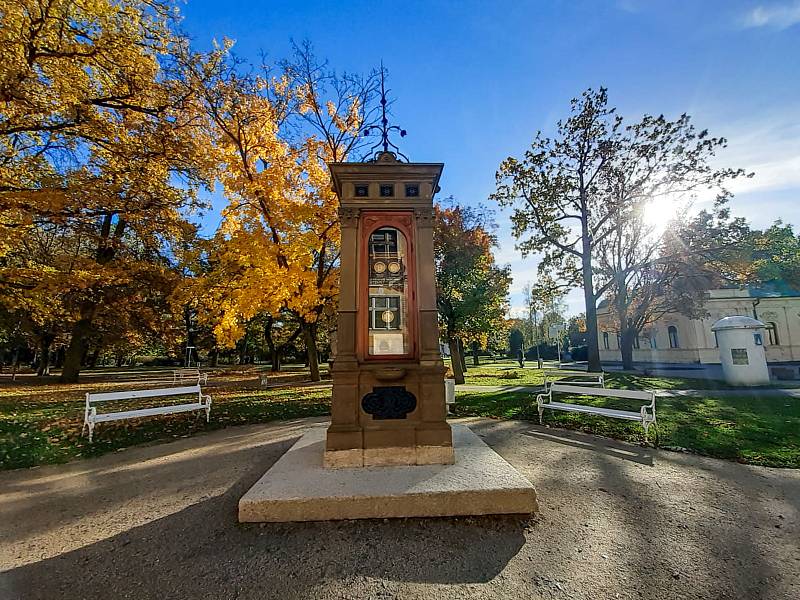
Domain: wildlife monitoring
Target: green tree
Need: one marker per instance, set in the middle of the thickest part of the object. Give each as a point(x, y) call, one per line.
point(572, 194)
point(472, 291)
point(516, 341)
point(775, 256)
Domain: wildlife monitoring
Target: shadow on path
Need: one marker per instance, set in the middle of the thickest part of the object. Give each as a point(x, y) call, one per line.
point(201, 551)
point(608, 447)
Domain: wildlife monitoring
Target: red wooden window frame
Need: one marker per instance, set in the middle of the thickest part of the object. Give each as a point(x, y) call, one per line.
point(370, 222)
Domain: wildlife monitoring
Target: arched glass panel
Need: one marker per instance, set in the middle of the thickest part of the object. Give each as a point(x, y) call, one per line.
point(388, 293)
point(673, 336)
point(605, 340)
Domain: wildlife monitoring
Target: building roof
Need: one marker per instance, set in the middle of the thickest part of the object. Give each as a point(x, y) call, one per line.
point(737, 322)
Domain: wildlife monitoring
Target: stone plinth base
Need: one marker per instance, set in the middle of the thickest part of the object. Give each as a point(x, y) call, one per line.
point(299, 488)
point(383, 457)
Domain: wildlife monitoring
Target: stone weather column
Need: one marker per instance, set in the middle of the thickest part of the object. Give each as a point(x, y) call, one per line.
point(388, 408)
point(388, 403)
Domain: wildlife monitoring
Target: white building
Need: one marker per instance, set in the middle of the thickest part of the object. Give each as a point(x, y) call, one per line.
point(676, 338)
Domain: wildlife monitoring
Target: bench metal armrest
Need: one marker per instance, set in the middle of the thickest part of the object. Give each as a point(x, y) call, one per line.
point(651, 416)
point(546, 394)
point(540, 403)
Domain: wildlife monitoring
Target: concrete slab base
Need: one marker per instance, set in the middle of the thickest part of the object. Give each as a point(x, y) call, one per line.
point(299, 488)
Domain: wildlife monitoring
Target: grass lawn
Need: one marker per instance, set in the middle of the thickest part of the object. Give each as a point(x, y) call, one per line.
point(756, 428)
point(509, 373)
point(41, 423)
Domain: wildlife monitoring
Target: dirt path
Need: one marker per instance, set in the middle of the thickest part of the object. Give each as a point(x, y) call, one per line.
point(616, 521)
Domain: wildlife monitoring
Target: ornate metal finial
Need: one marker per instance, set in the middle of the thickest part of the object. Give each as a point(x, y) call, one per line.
point(385, 147)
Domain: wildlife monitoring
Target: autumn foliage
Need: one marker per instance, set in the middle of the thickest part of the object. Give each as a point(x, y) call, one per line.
point(112, 129)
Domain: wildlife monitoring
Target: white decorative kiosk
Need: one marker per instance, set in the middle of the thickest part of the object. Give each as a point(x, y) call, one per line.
point(741, 349)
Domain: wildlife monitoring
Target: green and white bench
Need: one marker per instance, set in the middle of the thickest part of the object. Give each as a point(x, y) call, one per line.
point(646, 414)
point(91, 417)
point(567, 376)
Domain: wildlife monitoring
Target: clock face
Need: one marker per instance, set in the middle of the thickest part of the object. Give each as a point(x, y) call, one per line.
point(379, 267)
point(387, 316)
point(394, 268)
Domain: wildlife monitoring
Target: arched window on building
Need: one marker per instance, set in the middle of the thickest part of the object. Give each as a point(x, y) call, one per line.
point(619, 341)
point(636, 343)
point(605, 340)
point(672, 331)
point(772, 334)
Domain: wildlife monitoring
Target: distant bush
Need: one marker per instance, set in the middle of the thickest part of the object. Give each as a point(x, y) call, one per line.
point(579, 353)
point(157, 361)
point(546, 352)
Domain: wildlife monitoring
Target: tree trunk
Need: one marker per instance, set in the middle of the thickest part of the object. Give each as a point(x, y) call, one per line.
point(462, 355)
point(214, 356)
point(626, 347)
point(475, 359)
point(275, 357)
point(76, 350)
point(59, 360)
point(94, 356)
point(593, 348)
point(44, 356)
point(627, 333)
point(310, 338)
point(15, 363)
point(243, 347)
point(456, 360)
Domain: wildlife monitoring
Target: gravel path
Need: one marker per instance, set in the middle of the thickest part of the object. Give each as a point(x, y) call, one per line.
point(616, 521)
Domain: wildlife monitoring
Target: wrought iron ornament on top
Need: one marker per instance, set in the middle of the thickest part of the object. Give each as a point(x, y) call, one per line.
point(385, 145)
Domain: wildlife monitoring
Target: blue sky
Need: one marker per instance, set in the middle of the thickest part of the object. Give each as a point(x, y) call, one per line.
point(474, 81)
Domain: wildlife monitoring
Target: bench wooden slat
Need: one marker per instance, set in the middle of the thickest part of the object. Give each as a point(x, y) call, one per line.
point(646, 414)
point(91, 418)
point(609, 392)
point(595, 410)
point(146, 412)
point(133, 394)
point(593, 382)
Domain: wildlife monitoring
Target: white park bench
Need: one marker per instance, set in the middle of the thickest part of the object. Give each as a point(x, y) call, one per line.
point(179, 375)
point(91, 417)
point(567, 376)
point(646, 415)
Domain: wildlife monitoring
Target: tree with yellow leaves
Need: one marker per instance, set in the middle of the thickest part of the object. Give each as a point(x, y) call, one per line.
point(278, 247)
point(97, 121)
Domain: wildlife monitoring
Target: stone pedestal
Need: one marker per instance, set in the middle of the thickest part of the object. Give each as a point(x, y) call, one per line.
point(299, 488)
